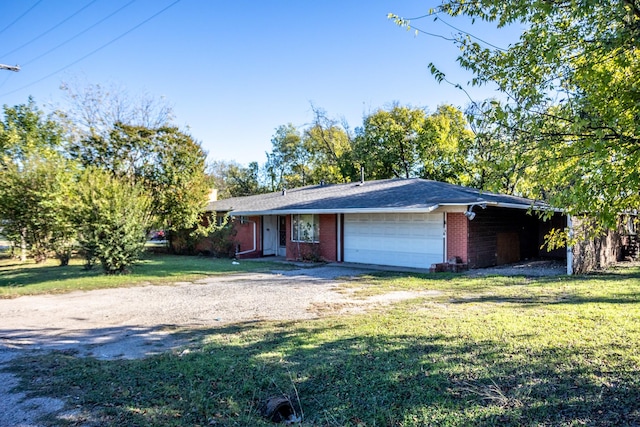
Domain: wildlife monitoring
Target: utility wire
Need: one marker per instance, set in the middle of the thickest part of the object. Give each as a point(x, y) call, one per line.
point(49, 30)
point(437, 17)
point(20, 17)
point(471, 35)
point(93, 51)
point(79, 34)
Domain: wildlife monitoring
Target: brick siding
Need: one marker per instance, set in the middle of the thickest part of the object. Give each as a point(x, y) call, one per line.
point(457, 236)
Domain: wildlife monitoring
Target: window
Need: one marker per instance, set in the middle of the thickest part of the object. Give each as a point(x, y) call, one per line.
point(305, 228)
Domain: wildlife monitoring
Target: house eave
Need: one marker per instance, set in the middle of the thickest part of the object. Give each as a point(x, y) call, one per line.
point(427, 209)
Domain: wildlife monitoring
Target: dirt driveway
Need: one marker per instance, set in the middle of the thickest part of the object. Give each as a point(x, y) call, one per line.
point(141, 321)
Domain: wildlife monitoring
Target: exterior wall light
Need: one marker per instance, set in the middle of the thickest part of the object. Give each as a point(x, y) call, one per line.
point(470, 214)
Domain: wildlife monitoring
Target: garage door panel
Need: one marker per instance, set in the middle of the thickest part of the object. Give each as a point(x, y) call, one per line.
point(407, 240)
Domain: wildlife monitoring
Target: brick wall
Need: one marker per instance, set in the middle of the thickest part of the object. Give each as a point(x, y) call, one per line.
point(325, 250)
point(457, 236)
point(244, 236)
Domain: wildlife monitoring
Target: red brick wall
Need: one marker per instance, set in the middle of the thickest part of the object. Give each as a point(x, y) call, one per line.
point(325, 250)
point(328, 237)
point(457, 236)
point(244, 236)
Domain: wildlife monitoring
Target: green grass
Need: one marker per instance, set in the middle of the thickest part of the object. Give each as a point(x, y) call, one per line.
point(18, 279)
point(489, 351)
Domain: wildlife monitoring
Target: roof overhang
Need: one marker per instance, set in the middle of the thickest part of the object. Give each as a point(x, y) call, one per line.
point(426, 209)
point(381, 210)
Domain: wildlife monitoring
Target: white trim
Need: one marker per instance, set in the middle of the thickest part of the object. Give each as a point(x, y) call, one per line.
point(334, 211)
point(445, 223)
point(339, 237)
point(427, 209)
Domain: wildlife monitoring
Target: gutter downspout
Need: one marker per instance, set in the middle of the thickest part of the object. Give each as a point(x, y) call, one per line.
point(255, 239)
point(570, 248)
point(338, 238)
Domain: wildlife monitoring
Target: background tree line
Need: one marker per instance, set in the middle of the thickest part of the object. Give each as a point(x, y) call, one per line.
point(394, 142)
point(97, 177)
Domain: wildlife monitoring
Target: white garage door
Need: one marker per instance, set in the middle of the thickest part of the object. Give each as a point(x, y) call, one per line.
point(406, 240)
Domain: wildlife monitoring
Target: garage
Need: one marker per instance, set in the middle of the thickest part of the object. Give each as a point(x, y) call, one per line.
point(396, 239)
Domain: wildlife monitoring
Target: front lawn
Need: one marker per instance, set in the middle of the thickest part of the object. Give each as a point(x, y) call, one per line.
point(483, 351)
point(17, 278)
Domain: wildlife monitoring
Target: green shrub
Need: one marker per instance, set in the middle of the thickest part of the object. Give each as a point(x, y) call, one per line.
point(113, 218)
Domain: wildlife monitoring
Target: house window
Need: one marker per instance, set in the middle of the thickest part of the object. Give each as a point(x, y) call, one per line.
point(305, 228)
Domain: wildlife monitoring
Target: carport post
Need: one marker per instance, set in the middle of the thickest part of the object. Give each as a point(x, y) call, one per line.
point(569, 247)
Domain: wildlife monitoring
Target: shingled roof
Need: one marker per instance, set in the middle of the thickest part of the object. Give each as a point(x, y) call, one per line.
point(388, 195)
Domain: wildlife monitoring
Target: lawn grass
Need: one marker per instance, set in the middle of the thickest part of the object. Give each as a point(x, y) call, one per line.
point(484, 351)
point(18, 279)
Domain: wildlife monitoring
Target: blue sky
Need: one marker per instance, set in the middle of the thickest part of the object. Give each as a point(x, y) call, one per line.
point(236, 70)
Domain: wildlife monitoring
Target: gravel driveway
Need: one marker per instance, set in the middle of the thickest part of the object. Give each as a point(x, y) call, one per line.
point(141, 321)
point(145, 320)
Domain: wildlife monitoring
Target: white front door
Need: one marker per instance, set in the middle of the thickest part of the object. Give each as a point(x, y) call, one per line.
point(269, 235)
point(407, 240)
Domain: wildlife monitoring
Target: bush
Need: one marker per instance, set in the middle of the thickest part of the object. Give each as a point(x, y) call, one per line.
point(222, 240)
point(113, 218)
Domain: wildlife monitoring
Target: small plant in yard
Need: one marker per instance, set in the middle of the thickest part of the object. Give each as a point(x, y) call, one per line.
point(481, 351)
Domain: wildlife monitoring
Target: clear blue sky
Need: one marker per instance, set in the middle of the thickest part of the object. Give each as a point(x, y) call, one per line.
point(235, 70)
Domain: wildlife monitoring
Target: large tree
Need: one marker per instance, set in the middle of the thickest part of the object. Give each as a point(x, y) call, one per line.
point(571, 95)
point(169, 163)
point(390, 143)
point(231, 179)
point(35, 180)
point(288, 162)
point(329, 145)
point(447, 146)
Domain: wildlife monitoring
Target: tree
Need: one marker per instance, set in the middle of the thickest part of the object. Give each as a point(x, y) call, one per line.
point(446, 147)
point(35, 181)
point(169, 163)
point(499, 158)
point(287, 164)
point(24, 131)
point(571, 95)
point(113, 215)
point(390, 143)
point(94, 110)
point(234, 180)
point(329, 148)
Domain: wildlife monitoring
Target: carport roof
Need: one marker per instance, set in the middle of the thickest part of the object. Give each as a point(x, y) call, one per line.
point(388, 195)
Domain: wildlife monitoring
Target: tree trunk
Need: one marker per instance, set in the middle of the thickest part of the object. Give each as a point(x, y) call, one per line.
point(23, 245)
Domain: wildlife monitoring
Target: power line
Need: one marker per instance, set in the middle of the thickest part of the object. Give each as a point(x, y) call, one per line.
point(93, 51)
point(79, 34)
point(50, 29)
point(20, 17)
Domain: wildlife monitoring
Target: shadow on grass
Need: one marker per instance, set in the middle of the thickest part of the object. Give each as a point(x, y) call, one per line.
point(341, 380)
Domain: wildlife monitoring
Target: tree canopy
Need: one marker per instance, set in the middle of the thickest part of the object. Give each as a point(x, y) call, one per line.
point(48, 163)
point(572, 97)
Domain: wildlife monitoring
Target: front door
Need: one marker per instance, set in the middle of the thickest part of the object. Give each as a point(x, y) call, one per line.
point(282, 235)
point(269, 235)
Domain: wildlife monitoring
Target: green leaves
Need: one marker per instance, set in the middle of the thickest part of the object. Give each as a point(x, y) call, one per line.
point(571, 105)
point(34, 184)
point(113, 215)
